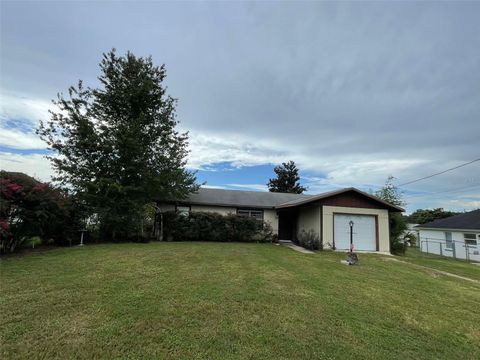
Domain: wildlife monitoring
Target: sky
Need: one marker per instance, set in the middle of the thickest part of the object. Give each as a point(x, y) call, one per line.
point(352, 92)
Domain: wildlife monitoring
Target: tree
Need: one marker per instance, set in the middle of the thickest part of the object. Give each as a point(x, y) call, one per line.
point(287, 179)
point(390, 193)
point(422, 216)
point(31, 208)
point(116, 146)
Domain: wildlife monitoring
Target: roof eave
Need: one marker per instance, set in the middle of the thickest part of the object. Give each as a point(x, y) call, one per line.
point(445, 228)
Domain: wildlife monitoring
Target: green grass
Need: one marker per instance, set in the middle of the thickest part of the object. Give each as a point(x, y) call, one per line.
point(230, 301)
point(458, 267)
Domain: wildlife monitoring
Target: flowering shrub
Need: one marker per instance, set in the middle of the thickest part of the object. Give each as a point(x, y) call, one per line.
point(31, 208)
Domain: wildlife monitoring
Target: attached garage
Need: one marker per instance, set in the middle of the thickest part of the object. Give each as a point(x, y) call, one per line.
point(329, 215)
point(364, 234)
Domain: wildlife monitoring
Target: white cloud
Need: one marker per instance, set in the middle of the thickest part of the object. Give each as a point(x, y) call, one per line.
point(15, 106)
point(20, 140)
point(35, 165)
point(256, 187)
point(214, 187)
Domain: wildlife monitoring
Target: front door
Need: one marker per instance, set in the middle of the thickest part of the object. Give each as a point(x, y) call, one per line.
point(286, 225)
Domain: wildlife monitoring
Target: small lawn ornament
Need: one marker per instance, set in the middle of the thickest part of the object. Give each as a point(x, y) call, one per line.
point(352, 258)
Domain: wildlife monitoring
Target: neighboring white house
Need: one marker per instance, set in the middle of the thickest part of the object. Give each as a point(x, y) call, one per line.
point(331, 216)
point(456, 236)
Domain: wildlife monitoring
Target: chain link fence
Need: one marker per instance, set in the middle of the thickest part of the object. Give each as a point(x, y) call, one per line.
point(451, 248)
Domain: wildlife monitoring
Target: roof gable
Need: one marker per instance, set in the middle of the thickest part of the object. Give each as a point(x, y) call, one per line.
point(349, 197)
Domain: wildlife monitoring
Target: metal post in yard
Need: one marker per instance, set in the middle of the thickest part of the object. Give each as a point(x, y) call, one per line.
point(427, 244)
point(441, 251)
point(161, 226)
point(81, 238)
point(466, 251)
point(351, 235)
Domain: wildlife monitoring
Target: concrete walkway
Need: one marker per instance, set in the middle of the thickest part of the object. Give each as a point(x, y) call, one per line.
point(297, 248)
point(435, 270)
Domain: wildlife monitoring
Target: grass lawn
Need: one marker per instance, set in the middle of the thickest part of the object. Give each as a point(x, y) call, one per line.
point(458, 267)
point(231, 301)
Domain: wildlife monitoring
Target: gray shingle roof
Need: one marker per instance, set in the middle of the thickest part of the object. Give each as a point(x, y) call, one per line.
point(466, 221)
point(265, 200)
point(254, 199)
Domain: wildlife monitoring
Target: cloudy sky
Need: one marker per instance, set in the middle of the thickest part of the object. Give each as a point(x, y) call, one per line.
point(352, 92)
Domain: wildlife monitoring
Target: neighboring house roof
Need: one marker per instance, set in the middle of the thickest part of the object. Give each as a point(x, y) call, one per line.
point(258, 199)
point(239, 198)
point(338, 192)
point(466, 221)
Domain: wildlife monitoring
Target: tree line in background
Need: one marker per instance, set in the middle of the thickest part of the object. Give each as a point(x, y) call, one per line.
point(423, 216)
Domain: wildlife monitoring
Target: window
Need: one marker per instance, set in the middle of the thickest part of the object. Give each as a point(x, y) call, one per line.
point(182, 210)
point(448, 240)
point(257, 214)
point(470, 239)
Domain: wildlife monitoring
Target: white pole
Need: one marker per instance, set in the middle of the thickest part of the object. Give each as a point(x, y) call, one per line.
point(81, 239)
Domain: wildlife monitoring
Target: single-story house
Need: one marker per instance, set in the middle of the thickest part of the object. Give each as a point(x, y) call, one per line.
point(456, 236)
point(329, 214)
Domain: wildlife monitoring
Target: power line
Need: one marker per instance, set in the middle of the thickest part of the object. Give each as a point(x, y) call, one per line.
point(461, 189)
point(439, 173)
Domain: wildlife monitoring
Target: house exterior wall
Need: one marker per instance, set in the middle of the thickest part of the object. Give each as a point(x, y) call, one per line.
point(223, 210)
point(269, 215)
point(309, 219)
point(382, 221)
point(434, 242)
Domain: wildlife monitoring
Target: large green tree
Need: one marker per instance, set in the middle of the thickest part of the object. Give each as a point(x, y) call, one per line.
point(422, 216)
point(117, 146)
point(391, 194)
point(287, 180)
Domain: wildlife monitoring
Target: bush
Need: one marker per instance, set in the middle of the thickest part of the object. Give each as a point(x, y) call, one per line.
point(204, 226)
point(30, 208)
point(397, 247)
point(411, 239)
point(398, 226)
point(309, 240)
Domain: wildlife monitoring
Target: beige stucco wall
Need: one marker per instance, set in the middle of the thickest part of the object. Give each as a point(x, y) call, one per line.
point(309, 219)
point(269, 215)
point(383, 229)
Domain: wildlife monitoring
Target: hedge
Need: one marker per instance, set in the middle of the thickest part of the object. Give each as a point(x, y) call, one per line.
point(206, 226)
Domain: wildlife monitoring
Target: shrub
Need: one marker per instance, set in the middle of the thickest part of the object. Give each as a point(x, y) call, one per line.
point(30, 208)
point(411, 239)
point(309, 240)
point(205, 226)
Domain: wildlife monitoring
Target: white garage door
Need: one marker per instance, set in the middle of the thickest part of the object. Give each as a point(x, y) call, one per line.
point(364, 234)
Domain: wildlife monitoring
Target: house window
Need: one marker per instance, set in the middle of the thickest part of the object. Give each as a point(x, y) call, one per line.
point(470, 239)
point(182, 210)
point(257, 214)
point(448, 240)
